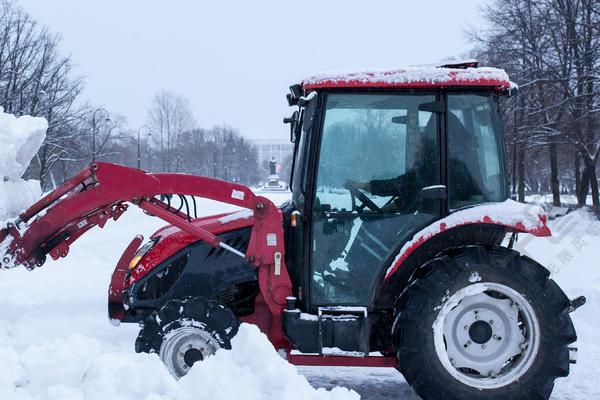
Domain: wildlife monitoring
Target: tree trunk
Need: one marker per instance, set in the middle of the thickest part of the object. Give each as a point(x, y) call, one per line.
point(577, 173)
point(584, 186)
point(521, 172)
point(594, 185)
point(554, 184)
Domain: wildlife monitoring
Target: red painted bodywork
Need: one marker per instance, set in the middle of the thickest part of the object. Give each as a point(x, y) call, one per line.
point(457, 75)
point(342, 361)
point(541, 230)
point(116, 309)
point(173, 239)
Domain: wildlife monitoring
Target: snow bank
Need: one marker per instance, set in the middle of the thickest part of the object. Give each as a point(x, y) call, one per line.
point(76, 368)
point(255, 369)
point(20, 140)
point(17, 195)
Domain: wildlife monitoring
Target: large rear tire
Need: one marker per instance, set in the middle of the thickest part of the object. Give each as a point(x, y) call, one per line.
point(483, 323)
point(187, 331)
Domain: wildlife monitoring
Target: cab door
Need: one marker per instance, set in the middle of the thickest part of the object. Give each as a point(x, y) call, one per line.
point(376, 153)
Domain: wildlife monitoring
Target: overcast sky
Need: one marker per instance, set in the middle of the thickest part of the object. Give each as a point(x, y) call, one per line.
point(234, 60)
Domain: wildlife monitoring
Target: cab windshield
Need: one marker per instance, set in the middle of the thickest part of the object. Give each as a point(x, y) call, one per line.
point(378, 155)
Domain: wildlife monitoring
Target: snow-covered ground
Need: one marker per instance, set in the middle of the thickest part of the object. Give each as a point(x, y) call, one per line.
point(56, 341)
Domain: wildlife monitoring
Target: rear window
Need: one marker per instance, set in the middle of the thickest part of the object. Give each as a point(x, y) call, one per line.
point(475, 164)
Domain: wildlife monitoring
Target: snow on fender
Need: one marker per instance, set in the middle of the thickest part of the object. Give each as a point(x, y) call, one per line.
point(516, 216)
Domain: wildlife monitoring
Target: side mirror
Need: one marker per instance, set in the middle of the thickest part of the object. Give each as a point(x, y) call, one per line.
point(437, 192)
point(293, 120)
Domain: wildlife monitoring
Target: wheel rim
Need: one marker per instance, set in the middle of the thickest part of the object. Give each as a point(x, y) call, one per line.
point(184, 346)
point(486, 335)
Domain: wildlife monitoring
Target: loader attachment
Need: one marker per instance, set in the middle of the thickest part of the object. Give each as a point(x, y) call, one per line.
point(102, 191)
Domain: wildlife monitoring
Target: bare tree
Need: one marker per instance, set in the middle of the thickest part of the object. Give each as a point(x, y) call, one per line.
point(169, 116)
point(36, 79)
point(551, 49)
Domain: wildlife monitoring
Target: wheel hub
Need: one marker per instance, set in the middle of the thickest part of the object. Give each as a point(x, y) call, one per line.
point(184, 346)
point(480, 332)
point(490, 335)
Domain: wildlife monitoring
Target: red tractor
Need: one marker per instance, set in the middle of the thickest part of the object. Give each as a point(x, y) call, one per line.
point(391, 253)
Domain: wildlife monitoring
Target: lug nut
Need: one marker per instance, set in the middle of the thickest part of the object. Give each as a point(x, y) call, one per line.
point(483, 346)
point(466, 327)
point(477, 317)
point(523, 346)
point(491, 322)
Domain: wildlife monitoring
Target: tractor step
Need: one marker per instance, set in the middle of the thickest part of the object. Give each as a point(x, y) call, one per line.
point(334, 331)
point(341, 316)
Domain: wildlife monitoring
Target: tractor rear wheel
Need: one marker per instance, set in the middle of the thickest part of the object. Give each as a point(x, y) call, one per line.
point(483, 323)
point(186, 331)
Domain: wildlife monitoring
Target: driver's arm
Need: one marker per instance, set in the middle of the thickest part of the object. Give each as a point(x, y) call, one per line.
point(387, 187)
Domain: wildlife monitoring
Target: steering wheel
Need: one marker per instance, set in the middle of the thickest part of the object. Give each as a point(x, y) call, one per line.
point(356, 193)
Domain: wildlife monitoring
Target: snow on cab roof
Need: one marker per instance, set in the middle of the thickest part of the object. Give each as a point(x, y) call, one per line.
point(460, 74)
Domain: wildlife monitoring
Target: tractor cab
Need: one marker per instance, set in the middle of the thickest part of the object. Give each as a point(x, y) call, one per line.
point(378, 157)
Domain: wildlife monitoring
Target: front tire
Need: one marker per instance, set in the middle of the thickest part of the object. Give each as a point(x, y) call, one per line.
point(187, 331)
point(483, 323)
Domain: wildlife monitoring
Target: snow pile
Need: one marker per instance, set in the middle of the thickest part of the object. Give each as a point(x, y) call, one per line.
point(255, 369)
point(16, 196)
point(20, 140)
point(411, 75)
point(76, 367)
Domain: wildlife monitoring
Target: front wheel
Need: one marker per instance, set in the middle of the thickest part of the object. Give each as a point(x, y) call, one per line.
point(483, 324)
point(187, 331)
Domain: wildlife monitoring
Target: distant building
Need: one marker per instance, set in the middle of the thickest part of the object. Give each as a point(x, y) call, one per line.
point(278, 148)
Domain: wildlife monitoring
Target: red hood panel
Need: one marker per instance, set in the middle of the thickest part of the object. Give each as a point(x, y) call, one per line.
point(173, 239)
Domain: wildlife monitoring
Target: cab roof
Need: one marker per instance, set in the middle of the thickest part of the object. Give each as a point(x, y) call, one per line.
point(464, 73)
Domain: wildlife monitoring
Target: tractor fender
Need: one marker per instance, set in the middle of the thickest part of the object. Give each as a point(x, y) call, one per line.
point(510, 215)
point(484, 225)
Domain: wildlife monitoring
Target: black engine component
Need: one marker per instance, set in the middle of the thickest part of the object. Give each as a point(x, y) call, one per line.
point(199, 270)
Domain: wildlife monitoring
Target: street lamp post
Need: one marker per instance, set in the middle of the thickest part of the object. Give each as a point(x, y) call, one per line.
point(94, 129)
point(139, 153)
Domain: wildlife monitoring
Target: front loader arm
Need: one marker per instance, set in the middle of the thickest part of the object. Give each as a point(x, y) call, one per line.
point(102, 191)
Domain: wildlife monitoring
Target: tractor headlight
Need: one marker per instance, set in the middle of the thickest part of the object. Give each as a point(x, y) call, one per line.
point(142, 251)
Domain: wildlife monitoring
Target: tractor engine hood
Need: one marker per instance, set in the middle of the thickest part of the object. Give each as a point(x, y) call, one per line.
point(171, 239)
